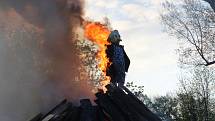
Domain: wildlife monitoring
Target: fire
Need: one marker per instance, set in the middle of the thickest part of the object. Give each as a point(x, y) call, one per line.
point(98, 33)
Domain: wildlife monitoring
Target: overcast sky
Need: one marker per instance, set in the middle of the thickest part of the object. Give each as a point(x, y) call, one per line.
point(151, 51)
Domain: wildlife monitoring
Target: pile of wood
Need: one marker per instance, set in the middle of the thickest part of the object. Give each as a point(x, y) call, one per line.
point(117, 104)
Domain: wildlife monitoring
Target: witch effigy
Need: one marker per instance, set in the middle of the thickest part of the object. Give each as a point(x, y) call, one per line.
point(118, 58)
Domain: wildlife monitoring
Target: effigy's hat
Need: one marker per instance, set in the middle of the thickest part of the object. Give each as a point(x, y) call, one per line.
point(114, 36)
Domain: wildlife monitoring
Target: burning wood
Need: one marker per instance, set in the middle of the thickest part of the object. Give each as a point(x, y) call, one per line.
point(117, 104)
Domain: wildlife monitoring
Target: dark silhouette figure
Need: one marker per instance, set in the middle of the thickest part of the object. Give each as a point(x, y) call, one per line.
point(118, 58)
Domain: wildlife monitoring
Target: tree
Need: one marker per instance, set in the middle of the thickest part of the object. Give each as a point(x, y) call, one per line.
point(192, 22)
point(139, 92)
point(212, 4)
point(88, 52)
point(166, 107)
point(163, 106)
point(196, 94)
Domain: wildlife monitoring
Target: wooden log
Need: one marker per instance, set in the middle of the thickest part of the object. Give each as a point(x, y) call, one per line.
point(100, 116)
point(37, 117)
point(132, 95)
point(133, 103)
point(109, 108)
point(54, 109)
point(119, 97)
point(140, 106)
point(87, 110)
point(73, 114)
point(60, 113)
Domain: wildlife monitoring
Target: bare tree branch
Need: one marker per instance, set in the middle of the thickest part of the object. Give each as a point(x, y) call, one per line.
point(192, 21)
point(212, 3)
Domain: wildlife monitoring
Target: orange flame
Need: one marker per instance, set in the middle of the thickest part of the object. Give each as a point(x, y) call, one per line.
point(98, 33)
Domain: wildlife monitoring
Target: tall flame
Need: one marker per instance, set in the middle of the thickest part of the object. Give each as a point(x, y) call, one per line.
point(98, 33)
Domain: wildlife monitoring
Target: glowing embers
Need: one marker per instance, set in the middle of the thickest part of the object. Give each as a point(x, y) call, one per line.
point(98, 33)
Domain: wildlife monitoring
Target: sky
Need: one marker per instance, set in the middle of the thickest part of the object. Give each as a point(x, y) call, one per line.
point(152, 52)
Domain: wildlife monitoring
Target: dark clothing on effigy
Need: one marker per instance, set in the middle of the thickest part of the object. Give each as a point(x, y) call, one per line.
point(119, 63)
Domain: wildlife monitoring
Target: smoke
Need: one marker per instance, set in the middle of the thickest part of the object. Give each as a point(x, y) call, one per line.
point(39, 62)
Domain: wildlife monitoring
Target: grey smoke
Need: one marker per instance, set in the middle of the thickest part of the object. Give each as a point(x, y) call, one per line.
point(39, 64)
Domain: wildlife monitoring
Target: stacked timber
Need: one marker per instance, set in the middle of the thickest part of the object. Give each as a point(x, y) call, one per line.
point(117, 104)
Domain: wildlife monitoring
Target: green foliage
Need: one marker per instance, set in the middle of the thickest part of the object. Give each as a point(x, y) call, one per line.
point(166, 107)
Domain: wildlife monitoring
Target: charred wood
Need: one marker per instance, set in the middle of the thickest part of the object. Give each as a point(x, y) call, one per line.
point(74, 114)
point(50, 113)
point(109, 107)
point(140, 106)
point(88, 112)
point(37, 117)
point(117, 104)
point(120, 98)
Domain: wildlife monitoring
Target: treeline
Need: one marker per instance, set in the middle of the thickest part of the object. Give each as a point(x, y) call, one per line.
point(193, 101)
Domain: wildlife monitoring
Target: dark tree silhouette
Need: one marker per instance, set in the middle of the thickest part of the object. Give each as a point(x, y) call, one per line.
point(212, 3)
point(192, 22)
